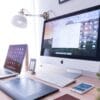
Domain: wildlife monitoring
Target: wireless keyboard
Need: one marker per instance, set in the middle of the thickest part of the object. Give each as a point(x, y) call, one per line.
point(55, 79)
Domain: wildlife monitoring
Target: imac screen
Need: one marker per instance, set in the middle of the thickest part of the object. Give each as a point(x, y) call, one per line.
point(74, 35)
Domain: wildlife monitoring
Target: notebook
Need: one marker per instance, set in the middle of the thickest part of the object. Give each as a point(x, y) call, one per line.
point(66, 97)
point(26, 89)
point(14, 60)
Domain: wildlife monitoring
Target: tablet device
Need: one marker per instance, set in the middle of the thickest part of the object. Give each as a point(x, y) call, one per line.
point(26, 89)
point(82, 88)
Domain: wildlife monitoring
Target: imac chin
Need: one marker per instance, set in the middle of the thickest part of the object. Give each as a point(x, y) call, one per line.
point(72, 68)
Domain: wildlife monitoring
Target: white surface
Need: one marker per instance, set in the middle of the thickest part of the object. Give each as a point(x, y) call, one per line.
point(55, 64)
point(67, 36)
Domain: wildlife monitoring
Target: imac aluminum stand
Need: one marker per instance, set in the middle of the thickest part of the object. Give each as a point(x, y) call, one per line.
point(73, 73)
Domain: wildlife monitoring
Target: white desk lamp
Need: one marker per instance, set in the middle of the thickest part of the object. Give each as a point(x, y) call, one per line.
point(20, 20)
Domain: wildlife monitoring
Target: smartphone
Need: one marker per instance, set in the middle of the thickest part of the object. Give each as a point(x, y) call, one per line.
point(82, 88)
point(32, 65)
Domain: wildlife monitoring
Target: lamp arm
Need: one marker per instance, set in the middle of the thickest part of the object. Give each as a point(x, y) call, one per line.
point(31, 15)
point(45, 15)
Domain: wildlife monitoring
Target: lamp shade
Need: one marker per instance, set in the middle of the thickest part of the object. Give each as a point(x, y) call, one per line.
point(19, 21)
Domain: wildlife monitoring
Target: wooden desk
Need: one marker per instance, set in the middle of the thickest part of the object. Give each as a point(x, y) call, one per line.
point(91, 95)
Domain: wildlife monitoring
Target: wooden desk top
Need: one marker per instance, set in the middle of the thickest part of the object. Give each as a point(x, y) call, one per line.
point(91, 95)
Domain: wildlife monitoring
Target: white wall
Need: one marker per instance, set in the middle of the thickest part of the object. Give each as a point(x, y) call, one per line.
point(10, 34)
point(66, 7)
point(60, 9)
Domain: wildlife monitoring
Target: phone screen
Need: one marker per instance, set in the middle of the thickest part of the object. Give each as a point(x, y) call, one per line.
point(82, 87)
